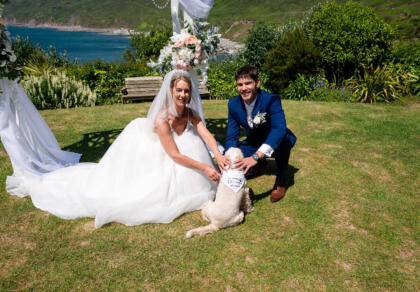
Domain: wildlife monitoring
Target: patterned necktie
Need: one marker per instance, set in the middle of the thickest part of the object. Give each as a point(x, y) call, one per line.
point(249, 118)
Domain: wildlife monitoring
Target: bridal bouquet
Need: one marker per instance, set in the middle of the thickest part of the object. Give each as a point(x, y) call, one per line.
point(192, 48)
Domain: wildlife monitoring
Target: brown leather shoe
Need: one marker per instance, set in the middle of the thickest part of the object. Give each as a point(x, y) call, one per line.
point(279, 190)
point(277, 194)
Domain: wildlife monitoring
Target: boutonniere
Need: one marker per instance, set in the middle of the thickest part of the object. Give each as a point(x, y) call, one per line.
point(259, 118)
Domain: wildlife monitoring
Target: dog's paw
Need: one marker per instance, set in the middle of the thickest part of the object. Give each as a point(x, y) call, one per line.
point(189, 234)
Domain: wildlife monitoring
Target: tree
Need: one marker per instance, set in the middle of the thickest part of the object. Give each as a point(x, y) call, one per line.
point(148, 45)
point(349, 36)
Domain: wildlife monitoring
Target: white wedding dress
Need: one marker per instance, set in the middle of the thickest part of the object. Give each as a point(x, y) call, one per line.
point(135, 182)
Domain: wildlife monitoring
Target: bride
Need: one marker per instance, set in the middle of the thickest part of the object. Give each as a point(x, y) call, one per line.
point(157, 169)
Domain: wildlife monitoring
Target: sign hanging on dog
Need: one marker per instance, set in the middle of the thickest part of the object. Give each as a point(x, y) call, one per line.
point(234, 179)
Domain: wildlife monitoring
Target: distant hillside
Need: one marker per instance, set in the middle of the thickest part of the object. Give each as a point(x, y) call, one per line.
point(234, 16)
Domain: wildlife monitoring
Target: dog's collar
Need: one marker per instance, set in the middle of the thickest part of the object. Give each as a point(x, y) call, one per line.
point(234, 179)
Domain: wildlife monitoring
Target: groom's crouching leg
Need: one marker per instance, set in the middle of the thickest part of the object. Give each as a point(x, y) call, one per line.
point(281, 156)
point(257, 170)
point(279, 190)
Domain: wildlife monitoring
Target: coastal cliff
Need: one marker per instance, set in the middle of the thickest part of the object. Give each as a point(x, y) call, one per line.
point(234, 17)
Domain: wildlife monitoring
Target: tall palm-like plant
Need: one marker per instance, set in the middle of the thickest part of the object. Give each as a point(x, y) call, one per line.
point(380, 84)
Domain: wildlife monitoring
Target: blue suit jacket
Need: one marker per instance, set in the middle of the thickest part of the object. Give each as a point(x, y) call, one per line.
point(272, 132)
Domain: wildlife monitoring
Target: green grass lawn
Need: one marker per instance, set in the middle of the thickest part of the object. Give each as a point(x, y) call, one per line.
point(349, 219)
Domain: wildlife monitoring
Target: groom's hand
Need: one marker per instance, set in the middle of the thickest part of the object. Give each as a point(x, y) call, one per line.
point(245, 163)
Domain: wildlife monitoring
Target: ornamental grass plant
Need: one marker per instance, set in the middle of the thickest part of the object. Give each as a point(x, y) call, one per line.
point(381, 84)
point(56, 90)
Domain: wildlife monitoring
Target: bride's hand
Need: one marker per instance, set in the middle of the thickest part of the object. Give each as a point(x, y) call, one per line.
point(222, 161)
point(212, 173)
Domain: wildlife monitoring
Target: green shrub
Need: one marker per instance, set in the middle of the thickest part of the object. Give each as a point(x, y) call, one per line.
point(381, 84)
point(25, 50)
point(107, 78)
point(293, 54)
point(407, 77)
point(33, 55)
point(221, 79)
point(56, 90)
point(148, 45)
point(415, 85)
point(348, 36)
point(261, 39)
point(301, 88)
point(316, 88)
point(406, 53)
point(56, 59)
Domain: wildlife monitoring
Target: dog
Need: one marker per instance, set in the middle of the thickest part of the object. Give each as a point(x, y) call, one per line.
point(232, 200)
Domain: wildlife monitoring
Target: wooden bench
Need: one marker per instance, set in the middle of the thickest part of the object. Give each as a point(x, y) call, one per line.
point(146, 88)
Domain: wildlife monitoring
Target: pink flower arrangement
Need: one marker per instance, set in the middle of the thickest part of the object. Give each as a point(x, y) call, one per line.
point(192, 40)
point(191, 49)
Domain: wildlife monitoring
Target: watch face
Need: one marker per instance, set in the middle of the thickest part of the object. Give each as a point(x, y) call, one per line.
point(255, 156)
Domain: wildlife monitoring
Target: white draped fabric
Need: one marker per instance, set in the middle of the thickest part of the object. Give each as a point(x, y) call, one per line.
point(191, 9)
point(197, 8)
point(26, 137)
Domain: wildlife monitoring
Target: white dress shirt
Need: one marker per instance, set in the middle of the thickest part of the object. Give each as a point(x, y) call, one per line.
point(264, 148)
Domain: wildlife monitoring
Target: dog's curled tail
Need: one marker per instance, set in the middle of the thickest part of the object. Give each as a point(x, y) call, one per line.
point(201, 230)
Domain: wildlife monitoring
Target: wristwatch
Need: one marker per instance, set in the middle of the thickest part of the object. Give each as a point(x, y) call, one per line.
point(255, 156)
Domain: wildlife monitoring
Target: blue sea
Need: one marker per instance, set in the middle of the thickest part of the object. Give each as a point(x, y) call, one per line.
point(79, 45)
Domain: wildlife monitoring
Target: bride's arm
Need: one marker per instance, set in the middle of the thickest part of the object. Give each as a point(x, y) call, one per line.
point(208, 138)
point(165, 136)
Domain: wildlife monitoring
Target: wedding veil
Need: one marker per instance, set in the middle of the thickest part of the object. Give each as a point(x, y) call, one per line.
point(163, 101)
point(26, 136)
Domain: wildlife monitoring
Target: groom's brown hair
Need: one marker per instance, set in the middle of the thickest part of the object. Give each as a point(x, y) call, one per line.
point(247, 71)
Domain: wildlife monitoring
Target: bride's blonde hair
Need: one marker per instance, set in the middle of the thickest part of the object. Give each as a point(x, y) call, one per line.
point(163, 102)
point(178, 77)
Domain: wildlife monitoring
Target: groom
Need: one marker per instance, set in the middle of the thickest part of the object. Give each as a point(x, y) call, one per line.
point(261, 115)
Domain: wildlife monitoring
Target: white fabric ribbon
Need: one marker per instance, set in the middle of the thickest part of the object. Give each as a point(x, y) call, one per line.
point(197, 8)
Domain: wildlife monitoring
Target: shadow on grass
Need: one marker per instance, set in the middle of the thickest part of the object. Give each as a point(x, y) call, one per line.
point(271, 170)
point(94, 145)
